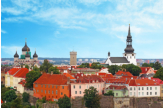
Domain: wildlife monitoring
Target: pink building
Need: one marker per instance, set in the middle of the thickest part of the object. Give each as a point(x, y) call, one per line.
point(84, 82)
point(147, 70)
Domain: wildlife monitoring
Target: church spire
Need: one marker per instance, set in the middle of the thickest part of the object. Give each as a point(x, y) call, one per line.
point(129, 31)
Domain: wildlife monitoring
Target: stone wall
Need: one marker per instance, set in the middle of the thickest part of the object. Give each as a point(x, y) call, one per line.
point(32, 100)
point(78, 102)
point(121, 102)
point(47, 105)
point(30, 92)
point(106, 102)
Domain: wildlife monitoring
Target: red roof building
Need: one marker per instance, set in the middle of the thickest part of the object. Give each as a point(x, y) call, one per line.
point(52, 86)
point(147, 70)
point(123, 73)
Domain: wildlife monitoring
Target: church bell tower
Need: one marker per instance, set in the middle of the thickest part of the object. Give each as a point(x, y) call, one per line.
point(129, 51)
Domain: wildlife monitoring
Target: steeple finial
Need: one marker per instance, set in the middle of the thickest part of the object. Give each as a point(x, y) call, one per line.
point(25, 40)
point(129, 30)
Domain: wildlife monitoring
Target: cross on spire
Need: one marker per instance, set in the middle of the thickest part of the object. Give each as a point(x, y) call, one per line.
point(25, 39)
point(129, 30)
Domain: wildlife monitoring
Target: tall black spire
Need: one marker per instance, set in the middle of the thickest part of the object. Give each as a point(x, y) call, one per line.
point(25, 47)
point(129, 48)
point(16, 55)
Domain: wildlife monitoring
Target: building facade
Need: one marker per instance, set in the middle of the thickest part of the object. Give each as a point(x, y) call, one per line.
point(129, 57)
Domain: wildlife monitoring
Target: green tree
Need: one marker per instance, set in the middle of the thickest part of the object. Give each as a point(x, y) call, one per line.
point(64, 102)
point(3, 90)
point(113, 69)
point(54, 69)
point(31, 77)
point(133, 69)
point(35, 68)
point(16, 103)
point(152, 65)
point(84, 65)
point(26, 66)
point(109, 93)
point(159, 74)
point(96, 65)
point(157, 65)
point(10, 95)
point(44, 99)
point(25, 97)
point(92, 98)
point(6, 105)
point(45, 66)
point(145, 65)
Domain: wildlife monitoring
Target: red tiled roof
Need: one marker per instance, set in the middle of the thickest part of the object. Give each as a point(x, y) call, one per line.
point(89, 79)
point(123, 73)
point(114, 80)
point(117, 87)
point(159, 81)
point(22, 73)
point(142, 82)
point(1, 101)
point(12, 71)
point(68, 75)
point(145, 69)
point(22, 82)
point(155, 71)
point(130, 77)
point(57, 79)
point(105, 75)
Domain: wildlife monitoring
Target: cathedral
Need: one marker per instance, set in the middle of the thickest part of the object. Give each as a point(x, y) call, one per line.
point(25, 58)
point(129, 57)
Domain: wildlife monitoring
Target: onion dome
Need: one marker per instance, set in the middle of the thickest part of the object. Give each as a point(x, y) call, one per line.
point(16, 55)
point(27, 55)
point(35, 55)
point(25, 48)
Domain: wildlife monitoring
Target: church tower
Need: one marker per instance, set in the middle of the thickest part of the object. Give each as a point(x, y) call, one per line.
point(129, 51)
point(73, 60)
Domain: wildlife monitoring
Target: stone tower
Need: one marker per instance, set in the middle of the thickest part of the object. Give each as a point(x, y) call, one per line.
point(73, 60)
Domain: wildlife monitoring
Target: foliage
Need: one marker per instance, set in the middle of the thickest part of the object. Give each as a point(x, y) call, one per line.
point(26, 105)
point(16, 103)
point(44, 99)
point(6, 105)
point(26, 66)
point(92, 98)
point(157, 65)
point(113, 69)
point(25, 97)
point(31, 77)
point(109, 93)
point(35, 68)
point(96, 66)
point(10, 95)
point(3, 90)
point(84, 65)
point(64, 102)
point(146, 65)
point(159, 74)
point(133, 69)
point(45, 66)
point(2, 86)
point(54, 69)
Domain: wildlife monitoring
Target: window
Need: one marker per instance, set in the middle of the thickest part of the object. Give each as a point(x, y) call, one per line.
point(142, 93)
point(52, 92)
point(134, 88)
point(155, 88)
point(36, 85)
point(130, 88)
point(116, 94)
point(45, 86)
point(49, 86)
point(150, 88)
point(61, 93)
point(41, 90)
point(52, 86)
point(139, 88)
point(147, 93)
point(147, 88)
point(56, 92)
point(142, 88)
point(134, 93)
point(37, 90)
point(41, 85)
point(75, 92)
point(162, 91)
point(80, 92)
point(49, 91)
point(45, 91)
point(98, 85)
point(79, 87)
point(155, 93)
point(62, 87)
point(87, 86)
point(162, 86)
point(130, 93)
point(56, 87)
point(74, 86)
point(139, 93)
point(150, 93)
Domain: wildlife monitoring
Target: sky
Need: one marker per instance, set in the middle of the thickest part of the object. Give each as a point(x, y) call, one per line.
point(91, 27)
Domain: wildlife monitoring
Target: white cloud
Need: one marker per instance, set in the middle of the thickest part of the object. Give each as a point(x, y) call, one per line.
point(94, 2)
point(3, 31)
point(11, 11)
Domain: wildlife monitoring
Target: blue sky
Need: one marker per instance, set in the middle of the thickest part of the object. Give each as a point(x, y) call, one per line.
point(92, 28)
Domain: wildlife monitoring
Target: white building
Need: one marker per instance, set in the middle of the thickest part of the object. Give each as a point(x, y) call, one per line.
point(129, 57)
point(86, 59)
point(143, 88)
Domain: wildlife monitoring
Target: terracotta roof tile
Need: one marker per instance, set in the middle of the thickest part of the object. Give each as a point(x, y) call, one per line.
point(142, 82)
point(123, 73)
point(68, 75)
point(145, 69)
point(117, 87)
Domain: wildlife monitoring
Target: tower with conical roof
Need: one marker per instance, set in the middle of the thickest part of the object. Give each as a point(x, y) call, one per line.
point(16, 57)
point(35, 57)
point(129, 51)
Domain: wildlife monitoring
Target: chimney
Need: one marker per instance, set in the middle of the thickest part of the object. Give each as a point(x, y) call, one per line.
point(23, 66)
point(81, 74)
point(149, 78)
point(68, 80)
point(131, 77)
point(51, 72)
